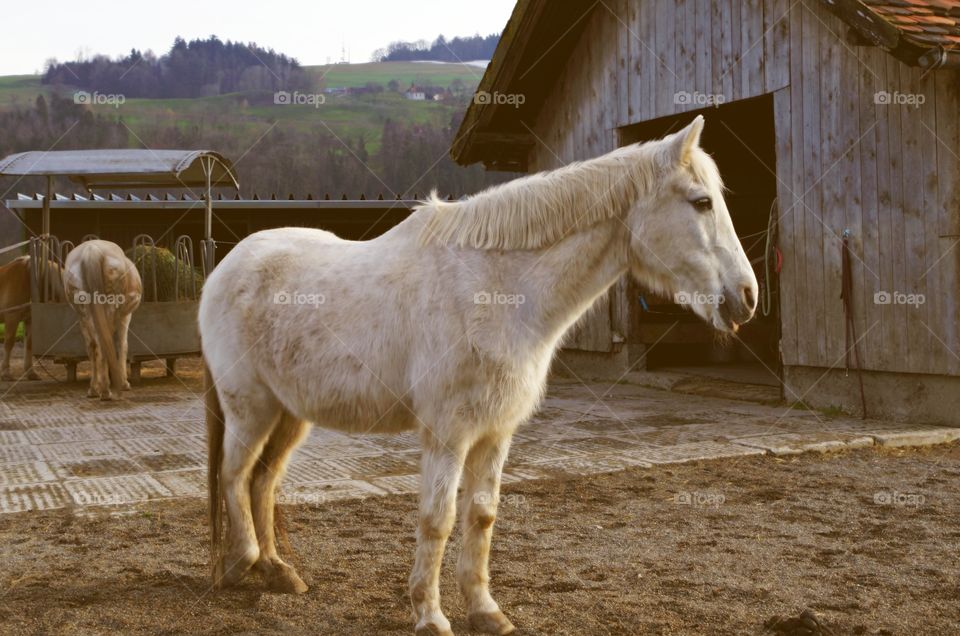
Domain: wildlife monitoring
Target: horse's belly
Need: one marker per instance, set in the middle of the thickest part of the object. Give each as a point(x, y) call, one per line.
point(384, 413)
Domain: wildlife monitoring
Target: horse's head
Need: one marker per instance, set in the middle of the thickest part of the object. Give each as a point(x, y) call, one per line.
point(682, 238)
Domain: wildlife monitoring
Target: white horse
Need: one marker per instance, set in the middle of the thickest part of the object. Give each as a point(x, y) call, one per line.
point(104, 287)
point(446, 324)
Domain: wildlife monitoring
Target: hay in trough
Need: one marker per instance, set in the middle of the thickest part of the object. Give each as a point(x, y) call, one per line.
point(166, 267)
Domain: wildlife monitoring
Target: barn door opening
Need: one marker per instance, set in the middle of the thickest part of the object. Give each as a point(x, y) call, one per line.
point(740, 137)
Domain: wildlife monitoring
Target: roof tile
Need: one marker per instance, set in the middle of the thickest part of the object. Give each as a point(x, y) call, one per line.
point(925, 22)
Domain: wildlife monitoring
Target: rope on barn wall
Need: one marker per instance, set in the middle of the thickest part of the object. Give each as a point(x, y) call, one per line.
point(846, 296)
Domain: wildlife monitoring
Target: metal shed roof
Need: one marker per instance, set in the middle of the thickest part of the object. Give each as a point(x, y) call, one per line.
point(125, 168)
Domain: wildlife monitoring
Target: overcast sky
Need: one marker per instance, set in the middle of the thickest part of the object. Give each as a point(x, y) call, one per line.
point(313, 31)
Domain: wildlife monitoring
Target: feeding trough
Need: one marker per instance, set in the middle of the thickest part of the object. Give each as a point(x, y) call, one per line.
point(164, 327)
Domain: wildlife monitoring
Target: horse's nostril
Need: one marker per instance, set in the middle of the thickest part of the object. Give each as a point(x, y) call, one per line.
point(748, 298)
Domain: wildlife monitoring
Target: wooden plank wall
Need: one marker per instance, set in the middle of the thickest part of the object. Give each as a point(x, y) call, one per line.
point(886, 172)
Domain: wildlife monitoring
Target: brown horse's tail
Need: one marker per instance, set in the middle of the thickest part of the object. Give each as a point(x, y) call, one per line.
point(215, 429)
point(91, 273)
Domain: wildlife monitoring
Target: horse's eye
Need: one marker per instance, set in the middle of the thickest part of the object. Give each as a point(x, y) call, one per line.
point(703, 204)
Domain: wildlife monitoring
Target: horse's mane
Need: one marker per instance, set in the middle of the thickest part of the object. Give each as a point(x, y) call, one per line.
point(539, 210)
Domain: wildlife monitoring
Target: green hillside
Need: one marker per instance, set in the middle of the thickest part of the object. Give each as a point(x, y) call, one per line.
point(405, 73)
point(244, 114)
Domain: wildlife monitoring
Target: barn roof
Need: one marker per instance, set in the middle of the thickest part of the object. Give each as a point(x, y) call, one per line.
point(922, 33)
point(125, 168)
point(536, 44)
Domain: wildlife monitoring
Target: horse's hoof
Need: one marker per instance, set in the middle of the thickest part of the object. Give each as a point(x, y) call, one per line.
point(232, 571)
point(283, 579)
point(31, 375)
point(432, 629)
point(125, 387)
point(490, 623)
point(92, 394)
point(107, 397)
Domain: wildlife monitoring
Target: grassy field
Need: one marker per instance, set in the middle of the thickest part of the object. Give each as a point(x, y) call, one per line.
point(20, 90)
point(405, 73)
point(347, 116)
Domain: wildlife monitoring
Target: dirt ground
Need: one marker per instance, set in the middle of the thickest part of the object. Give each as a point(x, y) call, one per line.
point(868, 539)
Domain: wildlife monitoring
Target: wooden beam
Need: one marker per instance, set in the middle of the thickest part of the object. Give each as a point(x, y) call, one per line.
point(868, 24)
point(505, 139)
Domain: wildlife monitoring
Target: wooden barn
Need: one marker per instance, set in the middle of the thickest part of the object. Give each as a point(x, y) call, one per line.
point(827, 118)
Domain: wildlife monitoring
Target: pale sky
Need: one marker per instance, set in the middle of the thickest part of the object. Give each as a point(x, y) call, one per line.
point(314, 31)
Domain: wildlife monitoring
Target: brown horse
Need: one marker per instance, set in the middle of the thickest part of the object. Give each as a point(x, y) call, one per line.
point(15, 308)
point(104, 286)
point(15, 305)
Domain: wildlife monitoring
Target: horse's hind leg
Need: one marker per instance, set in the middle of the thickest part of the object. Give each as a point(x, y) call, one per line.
point(249, 417)
point(93, 355)
point(267, 475)
point(123, 330)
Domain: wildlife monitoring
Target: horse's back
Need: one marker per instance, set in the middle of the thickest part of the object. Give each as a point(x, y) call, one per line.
point(292, 305)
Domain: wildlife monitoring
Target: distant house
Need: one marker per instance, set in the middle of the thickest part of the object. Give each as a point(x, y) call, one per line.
point(416, 93)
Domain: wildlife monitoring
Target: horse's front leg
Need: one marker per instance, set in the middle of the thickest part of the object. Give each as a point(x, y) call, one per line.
point(441, 467)
point(481, 494)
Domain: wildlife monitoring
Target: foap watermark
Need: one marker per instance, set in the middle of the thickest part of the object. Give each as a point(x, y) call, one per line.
point(498, 298)
point(896, 98)
point(500, 99)
point(685, 498)
point(284, 297)
point(98, 298)
point(698, 298)
point(296, 98)
point(487, 498)
point(300, 498)
point(99, 99)
point(696, 98)
point(898, 298)
point(895, 498)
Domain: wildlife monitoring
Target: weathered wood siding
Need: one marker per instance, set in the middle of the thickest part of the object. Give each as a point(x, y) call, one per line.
point(886, 172)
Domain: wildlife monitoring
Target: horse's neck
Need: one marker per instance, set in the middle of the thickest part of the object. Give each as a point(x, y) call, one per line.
point(570, 275)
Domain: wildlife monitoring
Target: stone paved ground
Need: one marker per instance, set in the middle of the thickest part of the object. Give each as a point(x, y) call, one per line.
point(59, 449)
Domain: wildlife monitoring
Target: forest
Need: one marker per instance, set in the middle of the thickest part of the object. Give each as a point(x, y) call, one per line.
point(458, 49)
point(198, 68)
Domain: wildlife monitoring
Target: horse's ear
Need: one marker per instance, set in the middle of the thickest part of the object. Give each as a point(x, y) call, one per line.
point(686, 140)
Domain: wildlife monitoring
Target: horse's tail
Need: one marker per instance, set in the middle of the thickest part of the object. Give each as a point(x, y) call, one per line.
point(91, 274)
point(215, 429)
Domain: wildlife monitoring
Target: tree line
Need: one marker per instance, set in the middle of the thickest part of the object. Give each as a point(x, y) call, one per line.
point(197, 68)
point(458, 49)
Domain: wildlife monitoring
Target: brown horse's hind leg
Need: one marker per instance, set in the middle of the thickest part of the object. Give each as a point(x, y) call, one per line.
point(267, 475)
